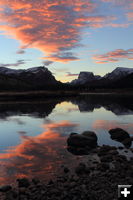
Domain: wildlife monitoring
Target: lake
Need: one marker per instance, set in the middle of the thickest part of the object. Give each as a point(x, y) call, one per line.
point(33, 134)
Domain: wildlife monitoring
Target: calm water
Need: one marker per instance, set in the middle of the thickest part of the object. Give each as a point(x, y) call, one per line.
point(33, 134)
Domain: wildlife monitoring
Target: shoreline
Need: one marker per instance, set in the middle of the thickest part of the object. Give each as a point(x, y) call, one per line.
point(93, 180)
point(14, 95)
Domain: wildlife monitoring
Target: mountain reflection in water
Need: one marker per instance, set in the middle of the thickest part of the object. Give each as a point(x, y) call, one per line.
point(33, 134)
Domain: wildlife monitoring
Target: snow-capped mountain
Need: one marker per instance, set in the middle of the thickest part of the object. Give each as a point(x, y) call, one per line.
point(118, 73)
point(90, 78)
point(8, 71)
point(85, 77)
point(36, 76)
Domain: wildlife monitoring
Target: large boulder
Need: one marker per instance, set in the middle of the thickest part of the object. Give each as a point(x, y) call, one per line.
point(90, 134)
point(81, 143)
point(122, 136)
point(119, 134)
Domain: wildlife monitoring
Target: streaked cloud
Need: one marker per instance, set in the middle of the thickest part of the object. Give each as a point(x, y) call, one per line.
point(114, 56)
point(20, 51)
point(54, 27)
point(47, 62)
point(18, 63)
point(71, 74)
point(130, 16)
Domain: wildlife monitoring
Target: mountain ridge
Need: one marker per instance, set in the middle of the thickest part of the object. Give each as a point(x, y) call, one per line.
point(31, 78)
point(40, 78)
point(115, 75)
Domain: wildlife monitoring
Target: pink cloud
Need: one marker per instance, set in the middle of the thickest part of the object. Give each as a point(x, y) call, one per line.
point(130, 16)
point(54, 27)
point(70, 74)
point(50, 26)
point(114, 56)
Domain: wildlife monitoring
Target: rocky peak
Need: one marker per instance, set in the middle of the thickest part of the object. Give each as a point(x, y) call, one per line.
point(85, 77)
point(118, 73)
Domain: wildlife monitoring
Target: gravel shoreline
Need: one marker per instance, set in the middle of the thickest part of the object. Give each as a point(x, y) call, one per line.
point(94, 180)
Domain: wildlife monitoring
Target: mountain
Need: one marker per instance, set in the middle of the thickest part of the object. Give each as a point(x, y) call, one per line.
point(118, 73)
point(125, 82)
point(119, 77)
point(85, 77)
point(37, 77)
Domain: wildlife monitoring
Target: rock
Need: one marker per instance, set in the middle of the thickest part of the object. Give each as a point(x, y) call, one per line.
point(120, 148)
point(23, 182)
point(118, 134)
point(107, 158)
point(127, 142)
point(103, 166)
point(66, 170)
point(83, 140)
point(73, 134)
point(105, 149)
point(50, 182)
point(90, 134)
point(113, 152)
point(78, 151)
point(35, 181)
point(80, 169)
point(5, 188)
point(122, 136)
point(22, 190)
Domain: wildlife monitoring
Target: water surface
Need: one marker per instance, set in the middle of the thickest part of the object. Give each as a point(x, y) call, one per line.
point(33, 134)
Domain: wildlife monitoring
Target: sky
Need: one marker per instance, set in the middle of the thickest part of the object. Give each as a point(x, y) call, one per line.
point(67, 36)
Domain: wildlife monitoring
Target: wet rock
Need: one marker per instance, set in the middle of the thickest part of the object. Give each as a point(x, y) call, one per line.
point(23, 182)
point(78, 151)
point(35, 181)
point(66, 170)
point(103, 150)
point(22, 190)
point(103, 166)
point(5, 188)
point(113, 152)
point(118, 134)
point(121, 158)
point(107, 158)
point(83, 142)
point(80, 169)
point(90, 134)
point(120, 148)
point(122, 136)
point(71, 134)
point(127, 142)
point(50, 182)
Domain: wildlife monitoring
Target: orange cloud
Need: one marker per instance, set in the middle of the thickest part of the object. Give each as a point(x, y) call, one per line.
point(47, 25)
point(54, 27)
point(38, 156)
point(130, 16)
point(114, 56)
